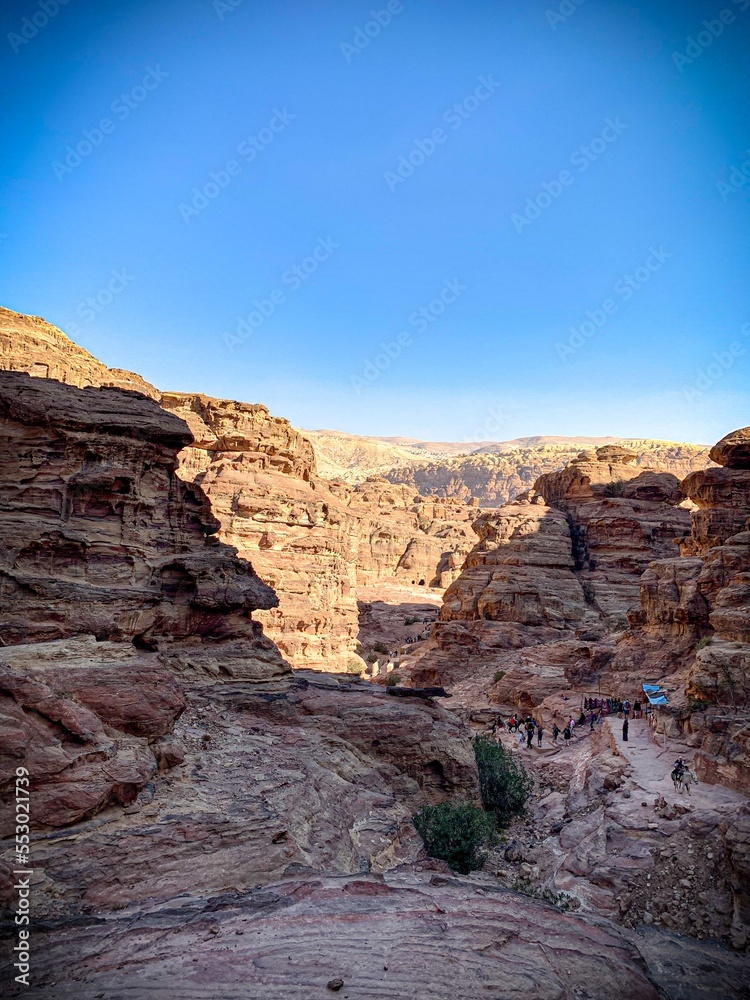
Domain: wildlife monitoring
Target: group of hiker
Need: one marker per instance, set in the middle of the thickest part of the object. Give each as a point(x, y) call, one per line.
point(526, 729)
point(595, 710)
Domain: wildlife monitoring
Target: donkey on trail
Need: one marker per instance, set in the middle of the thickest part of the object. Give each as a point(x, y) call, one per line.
point(683, 778)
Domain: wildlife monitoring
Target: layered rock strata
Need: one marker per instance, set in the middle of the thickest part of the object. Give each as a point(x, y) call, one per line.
point(495, 477)
point(30, 344)
point(693, 623)
point(316, 542)
point(259, 474)
point(303, 937)
point(313, 540)
point(551, 579)
point(109, 572)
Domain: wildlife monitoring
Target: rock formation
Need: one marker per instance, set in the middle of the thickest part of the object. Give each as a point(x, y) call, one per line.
point(151, 713)
point(409, 539)
point(259, 474)
point(106, 557)
point(314, 541)
point(406, 934)
point(122, 611)
point(621, 518)
point(30, 344)
point(495, 477)
point(552, 577)
point(693, 623)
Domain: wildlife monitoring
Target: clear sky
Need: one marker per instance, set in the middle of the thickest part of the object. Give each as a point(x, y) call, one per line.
point(539, 208)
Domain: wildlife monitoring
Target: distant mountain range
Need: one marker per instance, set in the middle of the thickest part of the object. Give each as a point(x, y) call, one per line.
point(492, 471)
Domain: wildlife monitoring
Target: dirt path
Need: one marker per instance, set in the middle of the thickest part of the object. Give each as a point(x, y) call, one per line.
point(652, 766)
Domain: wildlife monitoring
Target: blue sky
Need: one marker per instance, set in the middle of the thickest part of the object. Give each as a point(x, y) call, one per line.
point(559, 189)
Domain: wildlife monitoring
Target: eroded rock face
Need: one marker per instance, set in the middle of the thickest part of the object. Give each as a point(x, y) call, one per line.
point(406, 538)
point(694, 621)
point(496, 476)
point(259, 474)
point(109, 572)
point(552, 578)
point(314, 541)
point(29, 344)
point(621, 519)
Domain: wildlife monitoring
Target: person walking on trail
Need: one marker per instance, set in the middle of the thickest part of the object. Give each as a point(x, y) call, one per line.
point(521, 738)
point(566, 735)
point(529, 733)
point(555, 732)
point(539, 734)
point(592, 720)
point(625, 730)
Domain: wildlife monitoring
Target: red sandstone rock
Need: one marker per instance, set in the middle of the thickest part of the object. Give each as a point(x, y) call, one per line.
point(102, 550)
point(426, 935)
point(733, 451)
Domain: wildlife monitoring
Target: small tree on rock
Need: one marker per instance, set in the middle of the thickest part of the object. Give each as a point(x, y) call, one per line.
point(504, 783)
point(455, 832)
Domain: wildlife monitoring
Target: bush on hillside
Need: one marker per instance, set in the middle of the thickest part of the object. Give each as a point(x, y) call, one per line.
point(455, 832)
point(504, 783)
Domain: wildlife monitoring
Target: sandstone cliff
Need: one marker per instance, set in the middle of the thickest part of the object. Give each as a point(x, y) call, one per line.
point(106, 557)
point(30, 344)
point(163, 733)
point(495, 477)
point(313, 540)
point(693, 623)
point(552, 579)
point(259, 474)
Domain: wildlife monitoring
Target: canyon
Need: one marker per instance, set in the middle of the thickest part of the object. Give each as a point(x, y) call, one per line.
point(223, 803)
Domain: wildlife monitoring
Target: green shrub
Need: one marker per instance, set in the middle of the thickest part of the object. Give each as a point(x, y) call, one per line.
point(392, 679)
point(504, 782)
point(615, 489)
point(455, 832)
point(499, 674)
point(380, 647)
point(410, 621)
point(702, 643)
point(355, 667)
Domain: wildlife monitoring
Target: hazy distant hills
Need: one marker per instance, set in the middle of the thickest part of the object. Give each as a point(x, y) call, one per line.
point(493, 471)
